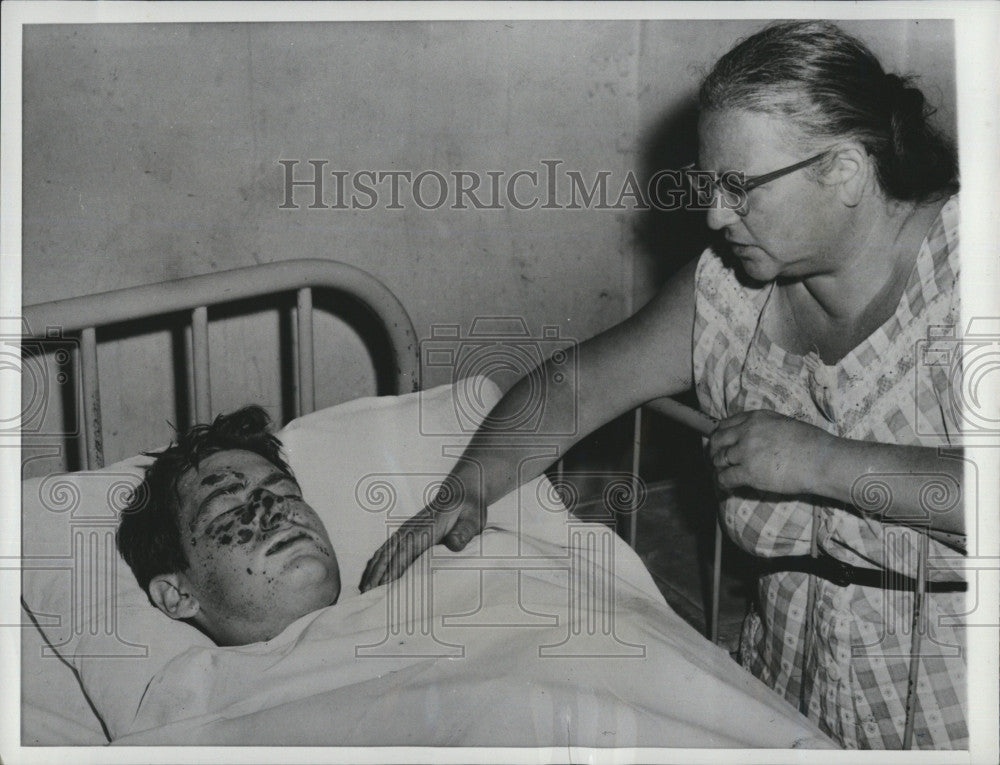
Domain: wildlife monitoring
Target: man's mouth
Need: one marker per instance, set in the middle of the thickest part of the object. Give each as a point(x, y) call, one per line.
point(281, 544)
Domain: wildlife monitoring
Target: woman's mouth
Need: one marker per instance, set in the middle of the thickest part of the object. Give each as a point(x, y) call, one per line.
point(740, 250)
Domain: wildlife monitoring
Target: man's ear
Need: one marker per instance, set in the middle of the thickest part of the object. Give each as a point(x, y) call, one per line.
point(172, 594)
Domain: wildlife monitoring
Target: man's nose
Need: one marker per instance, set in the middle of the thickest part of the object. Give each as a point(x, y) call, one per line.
point(271, 508)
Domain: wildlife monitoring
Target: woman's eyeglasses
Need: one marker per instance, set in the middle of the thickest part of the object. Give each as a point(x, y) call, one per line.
point(732, 187)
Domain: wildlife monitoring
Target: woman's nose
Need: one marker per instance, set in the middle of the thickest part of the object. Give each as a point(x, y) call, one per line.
point(720, 214)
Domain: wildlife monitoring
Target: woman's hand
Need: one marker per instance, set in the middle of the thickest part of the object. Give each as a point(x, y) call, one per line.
point(768, 452)
point(441, 521)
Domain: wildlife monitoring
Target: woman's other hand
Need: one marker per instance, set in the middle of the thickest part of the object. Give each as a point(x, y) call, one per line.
point(768, 452)
point(442, 521)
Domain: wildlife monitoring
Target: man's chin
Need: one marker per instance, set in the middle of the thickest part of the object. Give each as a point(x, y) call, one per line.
point(312, 571)
point(308, 565)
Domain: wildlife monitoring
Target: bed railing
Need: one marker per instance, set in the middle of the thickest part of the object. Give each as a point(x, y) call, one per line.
point(197, 294)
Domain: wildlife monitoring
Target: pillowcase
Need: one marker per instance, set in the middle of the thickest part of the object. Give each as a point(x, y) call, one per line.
point(368, 465)
point(364, 466)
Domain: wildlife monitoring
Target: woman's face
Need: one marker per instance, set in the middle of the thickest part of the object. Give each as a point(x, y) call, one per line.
point(793, 225)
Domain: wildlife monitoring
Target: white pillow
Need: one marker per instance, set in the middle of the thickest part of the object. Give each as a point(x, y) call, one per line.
point(84, 596)
point(348, 459)
point(368, 465)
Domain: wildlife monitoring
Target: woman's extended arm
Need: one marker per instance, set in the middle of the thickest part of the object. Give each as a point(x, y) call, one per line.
point(918, 486)
point(646, 356)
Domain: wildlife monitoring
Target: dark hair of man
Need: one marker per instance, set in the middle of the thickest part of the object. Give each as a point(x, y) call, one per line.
point(149, 530)
point(830, 86)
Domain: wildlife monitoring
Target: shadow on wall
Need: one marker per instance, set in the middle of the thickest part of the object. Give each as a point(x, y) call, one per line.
point(665, 239)
point(673, 454)
point(669, 238)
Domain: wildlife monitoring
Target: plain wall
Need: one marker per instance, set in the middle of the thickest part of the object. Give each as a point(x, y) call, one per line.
point(151, 152)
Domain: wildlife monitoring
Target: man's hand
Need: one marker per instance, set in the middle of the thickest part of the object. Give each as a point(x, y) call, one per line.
point(455, 525)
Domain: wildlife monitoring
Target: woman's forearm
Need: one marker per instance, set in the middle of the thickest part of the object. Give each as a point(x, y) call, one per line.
point(909, 485)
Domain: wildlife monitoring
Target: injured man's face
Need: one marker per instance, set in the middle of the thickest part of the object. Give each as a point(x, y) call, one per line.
point(259, 556)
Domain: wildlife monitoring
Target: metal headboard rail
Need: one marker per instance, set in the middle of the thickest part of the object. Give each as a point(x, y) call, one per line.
point(197, 293)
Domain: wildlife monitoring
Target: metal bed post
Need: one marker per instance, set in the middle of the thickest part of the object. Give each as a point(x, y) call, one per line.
point(199, 353)
point(809, 616)
point(716, 582)
point(705, 425)
point(91, 398)
point(916, 632)
point(306, 400)
point(633, 520)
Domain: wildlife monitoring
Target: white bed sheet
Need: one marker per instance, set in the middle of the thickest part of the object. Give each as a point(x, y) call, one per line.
point(494, 662)
point(374, 671)
point(54, 707)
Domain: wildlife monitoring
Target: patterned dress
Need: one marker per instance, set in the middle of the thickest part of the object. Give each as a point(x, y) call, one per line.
point(888, 389)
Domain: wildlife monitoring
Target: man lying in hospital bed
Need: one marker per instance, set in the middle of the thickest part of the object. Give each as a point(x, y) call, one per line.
point(219, 535)
point(548, 631)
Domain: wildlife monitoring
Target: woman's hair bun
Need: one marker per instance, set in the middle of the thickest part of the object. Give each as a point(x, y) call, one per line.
point(905, 100)
point(920, 158)
point(830, 85)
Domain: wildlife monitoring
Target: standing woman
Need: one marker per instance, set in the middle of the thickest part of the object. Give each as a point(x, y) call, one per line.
point(837, 204)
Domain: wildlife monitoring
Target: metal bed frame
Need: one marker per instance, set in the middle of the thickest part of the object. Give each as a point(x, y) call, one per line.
point(196, 294)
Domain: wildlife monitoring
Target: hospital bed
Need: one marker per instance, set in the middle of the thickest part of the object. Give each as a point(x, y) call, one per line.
point(546, 631)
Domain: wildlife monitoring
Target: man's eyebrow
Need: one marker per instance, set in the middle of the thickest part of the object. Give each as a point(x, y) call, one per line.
point(215, 492)
point(269, 480)
point(277, 477)
point(214, 478)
